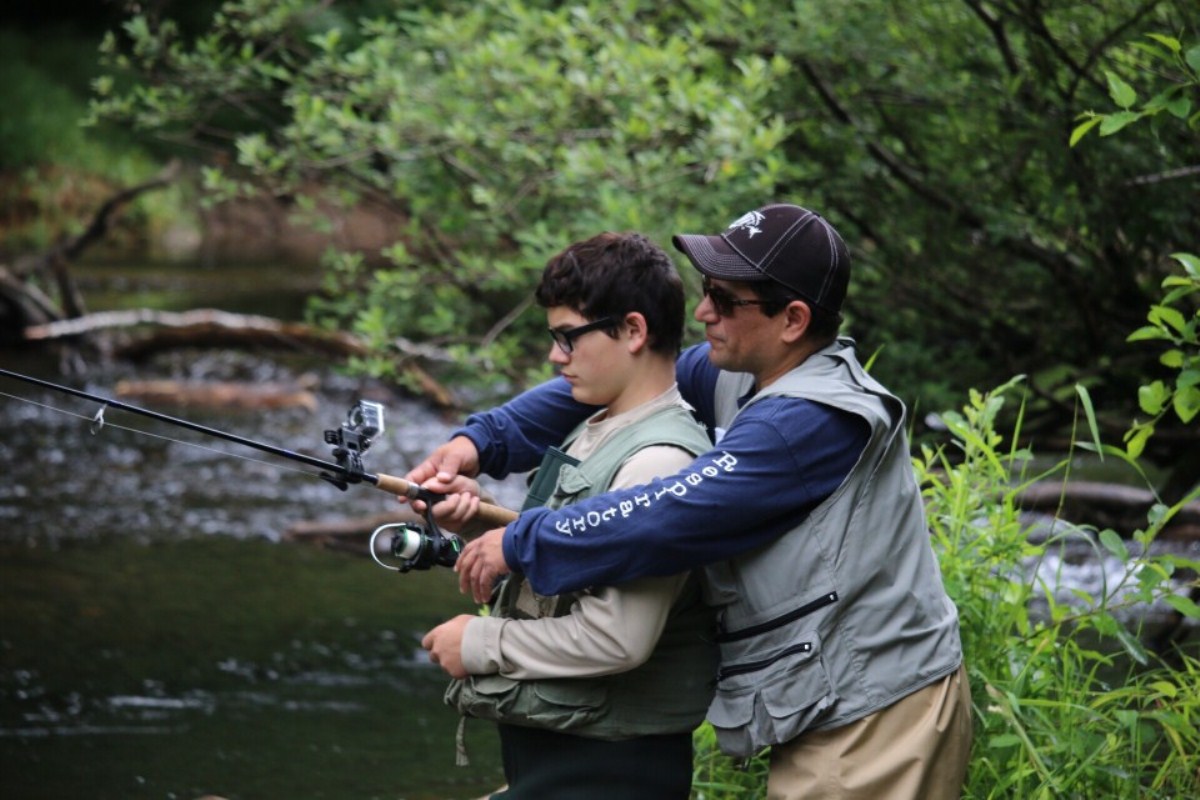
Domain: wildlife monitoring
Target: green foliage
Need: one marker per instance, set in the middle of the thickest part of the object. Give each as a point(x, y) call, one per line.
point(931, 133)
point(1068, 701)
point(1174, 323)
point(1168, 60)
point(718, 777)
point(502, 132)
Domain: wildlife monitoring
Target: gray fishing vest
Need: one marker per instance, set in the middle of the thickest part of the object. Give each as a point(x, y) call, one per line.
point(670, 692)
point(846, 613)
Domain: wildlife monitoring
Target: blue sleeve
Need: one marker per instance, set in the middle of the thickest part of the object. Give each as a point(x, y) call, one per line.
point(779, 460)
point(513, 437)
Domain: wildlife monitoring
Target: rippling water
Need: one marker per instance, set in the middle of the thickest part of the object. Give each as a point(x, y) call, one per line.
point(158, 642)
point(68, 480)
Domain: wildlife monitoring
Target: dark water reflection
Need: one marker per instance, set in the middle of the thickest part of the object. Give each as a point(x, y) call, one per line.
point(157, 641)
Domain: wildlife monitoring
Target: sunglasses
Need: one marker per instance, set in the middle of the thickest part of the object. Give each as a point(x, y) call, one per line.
point(565, 339)
point(725, 302)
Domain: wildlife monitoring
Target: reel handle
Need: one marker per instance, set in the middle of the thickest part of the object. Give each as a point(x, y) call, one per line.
point(496, 516)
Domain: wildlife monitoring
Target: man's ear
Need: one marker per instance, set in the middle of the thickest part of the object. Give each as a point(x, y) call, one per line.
point(797, 318)
point(639, 334)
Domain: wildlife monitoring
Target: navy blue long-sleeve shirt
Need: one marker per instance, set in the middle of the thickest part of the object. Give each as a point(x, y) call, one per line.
point(780, 458)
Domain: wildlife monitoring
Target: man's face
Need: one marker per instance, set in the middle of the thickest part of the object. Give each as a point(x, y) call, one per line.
point(741, 337)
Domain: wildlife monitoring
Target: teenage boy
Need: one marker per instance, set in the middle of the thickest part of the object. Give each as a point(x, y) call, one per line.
point(597, 691)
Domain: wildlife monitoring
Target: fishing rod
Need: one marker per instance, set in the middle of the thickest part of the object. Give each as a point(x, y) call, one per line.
point(364, 422)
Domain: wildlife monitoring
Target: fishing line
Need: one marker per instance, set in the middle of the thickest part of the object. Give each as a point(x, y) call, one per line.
point(350, 440)
point(98, 422)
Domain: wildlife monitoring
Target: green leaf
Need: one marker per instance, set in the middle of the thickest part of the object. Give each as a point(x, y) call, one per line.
point(1190, 262)
point(1086, 400)
point(1146, 333)
point(1170, 42)
point(1082, 128)
point(1168, 315)
point(1184, 605)
point(1003, 741)
point(1193, 59)
point(1115, 122)
point(1152, 397)
point(1114, 544)
point(1187, 403)
point(1136, 438)
point(1180, 107)
point(1121, 92)
point(1171, 358)
point(1132, 646)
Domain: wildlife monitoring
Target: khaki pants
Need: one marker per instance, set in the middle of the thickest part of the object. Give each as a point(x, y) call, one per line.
point(915, 749)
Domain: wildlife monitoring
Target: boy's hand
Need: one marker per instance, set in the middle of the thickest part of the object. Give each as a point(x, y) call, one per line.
point(444, 644)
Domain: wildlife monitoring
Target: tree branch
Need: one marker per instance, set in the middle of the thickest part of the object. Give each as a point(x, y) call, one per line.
point(996, 28)
point(98, 227)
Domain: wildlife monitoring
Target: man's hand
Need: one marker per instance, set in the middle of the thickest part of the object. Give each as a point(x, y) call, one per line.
point(446, 472)
point(457, 457)
point(444, 644)
point(480, 563)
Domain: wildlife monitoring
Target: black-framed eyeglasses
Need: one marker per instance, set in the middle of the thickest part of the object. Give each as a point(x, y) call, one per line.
point(565, 339)
point(724, 301)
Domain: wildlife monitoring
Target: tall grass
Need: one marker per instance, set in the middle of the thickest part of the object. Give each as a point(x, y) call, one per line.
point(1067, 701)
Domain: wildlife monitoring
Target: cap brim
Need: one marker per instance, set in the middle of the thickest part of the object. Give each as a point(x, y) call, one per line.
point(714, 257)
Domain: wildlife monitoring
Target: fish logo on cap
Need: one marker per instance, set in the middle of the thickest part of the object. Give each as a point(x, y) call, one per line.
point(749, 223)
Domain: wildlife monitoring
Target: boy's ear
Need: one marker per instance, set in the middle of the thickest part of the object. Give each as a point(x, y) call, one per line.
point(639, 335)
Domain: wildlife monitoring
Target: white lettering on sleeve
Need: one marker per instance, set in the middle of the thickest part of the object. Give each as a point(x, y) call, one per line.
point(679, 488)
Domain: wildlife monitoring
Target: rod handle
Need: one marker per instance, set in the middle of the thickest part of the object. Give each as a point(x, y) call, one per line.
point(496, 516)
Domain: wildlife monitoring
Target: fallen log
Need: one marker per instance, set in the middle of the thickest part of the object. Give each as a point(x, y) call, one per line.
point(208, 327)
point(23, 304)
point(20, 305)
point(1107, 505)
point(202, 325)
point(219, 394)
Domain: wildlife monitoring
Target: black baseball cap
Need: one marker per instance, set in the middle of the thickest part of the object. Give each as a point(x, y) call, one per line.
point(780, 242)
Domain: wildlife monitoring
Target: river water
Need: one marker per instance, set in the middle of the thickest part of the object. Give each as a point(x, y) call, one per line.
point(157, 639)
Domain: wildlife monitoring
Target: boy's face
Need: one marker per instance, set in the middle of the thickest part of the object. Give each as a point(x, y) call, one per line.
point(595, 367)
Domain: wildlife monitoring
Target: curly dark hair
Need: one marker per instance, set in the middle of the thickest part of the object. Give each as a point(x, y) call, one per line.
point(614, 274)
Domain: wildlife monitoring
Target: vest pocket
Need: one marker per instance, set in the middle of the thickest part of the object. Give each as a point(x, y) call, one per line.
point(769, 696)
point(557, 704)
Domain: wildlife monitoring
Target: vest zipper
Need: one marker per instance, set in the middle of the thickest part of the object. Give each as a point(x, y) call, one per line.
point(771, 624)
point(751, 666)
